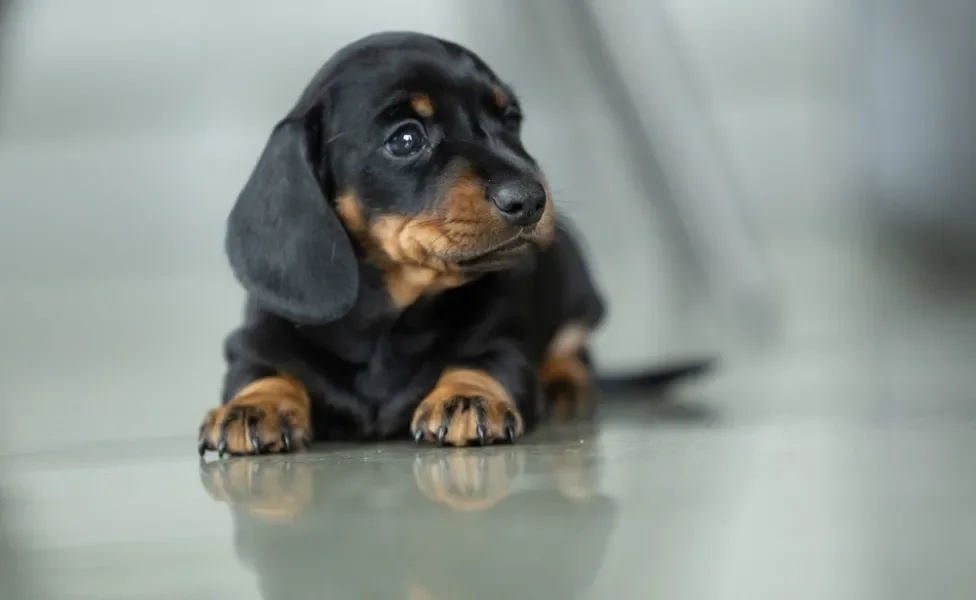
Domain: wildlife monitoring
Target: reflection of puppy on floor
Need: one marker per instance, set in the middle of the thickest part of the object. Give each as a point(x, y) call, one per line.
point(491, 523)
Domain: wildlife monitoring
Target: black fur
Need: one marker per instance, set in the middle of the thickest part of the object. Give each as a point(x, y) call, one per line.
point(285, 243)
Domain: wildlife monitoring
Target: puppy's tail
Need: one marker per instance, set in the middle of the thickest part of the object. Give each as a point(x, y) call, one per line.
point(657, 379)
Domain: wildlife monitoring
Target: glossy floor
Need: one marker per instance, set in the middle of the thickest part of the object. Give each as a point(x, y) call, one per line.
point(670, 499)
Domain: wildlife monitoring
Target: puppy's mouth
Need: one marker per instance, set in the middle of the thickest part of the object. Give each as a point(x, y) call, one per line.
point(502, 258)
point(497, 256)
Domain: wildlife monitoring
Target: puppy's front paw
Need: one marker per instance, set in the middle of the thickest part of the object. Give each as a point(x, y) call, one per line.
point(270, 415)
point(467, 406)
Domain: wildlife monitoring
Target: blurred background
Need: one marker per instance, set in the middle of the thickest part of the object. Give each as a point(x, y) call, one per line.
point(784, 184)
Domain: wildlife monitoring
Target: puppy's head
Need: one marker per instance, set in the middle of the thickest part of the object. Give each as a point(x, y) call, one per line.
point(404, 149)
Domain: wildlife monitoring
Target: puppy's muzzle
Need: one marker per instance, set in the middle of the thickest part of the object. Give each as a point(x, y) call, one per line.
point(520, 201)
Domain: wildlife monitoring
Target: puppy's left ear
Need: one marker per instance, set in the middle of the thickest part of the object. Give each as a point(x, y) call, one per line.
point(285, 243)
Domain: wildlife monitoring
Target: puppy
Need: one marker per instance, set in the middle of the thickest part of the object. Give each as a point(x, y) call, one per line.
point(406, 270)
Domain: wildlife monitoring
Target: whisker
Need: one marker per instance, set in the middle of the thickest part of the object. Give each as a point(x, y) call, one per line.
point(335, 137)
point(462, 222)
point(433, 242)
point(421, 223)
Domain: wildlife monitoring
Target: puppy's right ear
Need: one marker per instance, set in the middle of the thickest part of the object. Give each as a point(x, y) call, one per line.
point(284, 240)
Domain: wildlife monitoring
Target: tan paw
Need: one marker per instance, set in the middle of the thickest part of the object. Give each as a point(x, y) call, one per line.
point(270, 415)
point(466, 406)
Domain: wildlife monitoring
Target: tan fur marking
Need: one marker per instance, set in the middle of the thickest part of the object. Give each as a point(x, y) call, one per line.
point(410, 269)
point(351, 213)
point(499, 97)
point(471, 213)
point(462, 426)
point(465, 203)
point(563, 375)
point(545, 230)
point(268, 402)
point(567, 383)
point(422, 105)
point(415, 240)
point(406, 283)
point(569, 369)
point(570, 339)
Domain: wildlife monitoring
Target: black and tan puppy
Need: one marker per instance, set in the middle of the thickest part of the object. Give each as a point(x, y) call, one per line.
point(406, 269)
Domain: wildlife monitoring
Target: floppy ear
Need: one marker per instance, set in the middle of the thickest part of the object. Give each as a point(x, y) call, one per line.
point(284, 240)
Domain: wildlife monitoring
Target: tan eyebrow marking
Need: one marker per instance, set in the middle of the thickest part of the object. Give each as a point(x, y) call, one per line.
point(422, 105)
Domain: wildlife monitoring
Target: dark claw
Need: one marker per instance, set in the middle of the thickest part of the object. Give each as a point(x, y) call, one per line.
point(222, 443)
point(286, 441)
point(481, 418)
point(509, 427)
point(418, 433)
point(252, 434)
point(449, 409)
point(202, 439)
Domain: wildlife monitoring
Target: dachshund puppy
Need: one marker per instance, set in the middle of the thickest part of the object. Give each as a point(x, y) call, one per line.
point(406, 271)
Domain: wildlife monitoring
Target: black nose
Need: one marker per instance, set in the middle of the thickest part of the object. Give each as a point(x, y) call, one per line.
point(521, 202)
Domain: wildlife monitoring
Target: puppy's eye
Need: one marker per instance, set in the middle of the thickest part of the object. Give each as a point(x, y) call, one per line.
point(406, 140)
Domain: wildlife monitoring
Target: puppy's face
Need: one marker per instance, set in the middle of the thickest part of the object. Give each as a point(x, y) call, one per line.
point(425, 158)
point(405, 145)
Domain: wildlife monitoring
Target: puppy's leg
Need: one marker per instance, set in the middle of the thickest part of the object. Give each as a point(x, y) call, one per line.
point(481, 401)
point(271, 414)
point(566, 374)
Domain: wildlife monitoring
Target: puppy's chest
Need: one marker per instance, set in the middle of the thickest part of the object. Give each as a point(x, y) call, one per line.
point(400, 356)
point(399, 352)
